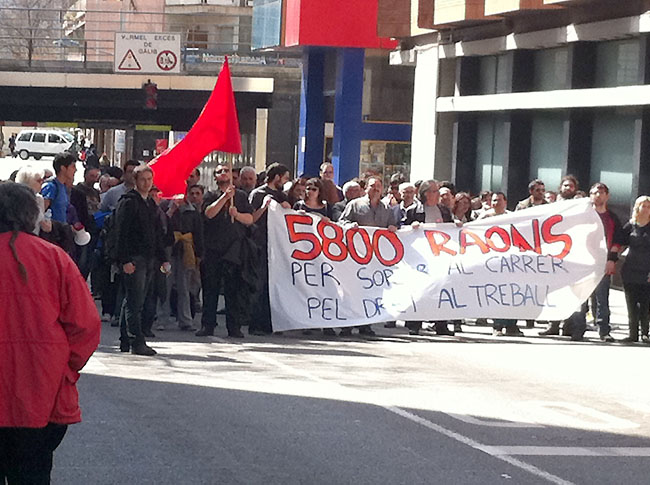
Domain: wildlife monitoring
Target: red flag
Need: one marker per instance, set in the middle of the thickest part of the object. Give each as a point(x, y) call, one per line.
point(217, 128)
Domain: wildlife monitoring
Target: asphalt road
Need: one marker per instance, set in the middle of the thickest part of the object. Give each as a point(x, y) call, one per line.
point(471, 409)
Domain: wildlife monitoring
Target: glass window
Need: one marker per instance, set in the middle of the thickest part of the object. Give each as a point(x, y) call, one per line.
point(617, 63)
point(267, 23)
point(493, 74)
point(490, 153)
point(551, 69)
point(52, 138)
point(39, 137)
point(25, 136)
point(387, 90)
point(547, 149)
point(612, 155)
point(384, 159)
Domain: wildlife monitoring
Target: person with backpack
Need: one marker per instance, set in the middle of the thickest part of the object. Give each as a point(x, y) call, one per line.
point(140, 245)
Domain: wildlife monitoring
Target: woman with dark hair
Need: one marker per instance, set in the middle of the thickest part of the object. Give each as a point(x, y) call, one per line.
point(315, 203)
point(314, 199)
point(462, 207)
point(49, 328)
point(296, 192)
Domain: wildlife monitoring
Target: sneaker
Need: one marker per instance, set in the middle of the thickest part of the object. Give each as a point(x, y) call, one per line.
point(496, 332)
point(160, 326)
point(607, 338)
point(458, 328)
point(143, 349)
point(550, 331)
point(645, 339)
point(204, 332)
point(115, 321)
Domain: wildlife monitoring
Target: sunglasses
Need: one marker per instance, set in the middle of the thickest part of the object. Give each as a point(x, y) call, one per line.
point(223, 170)
point(311, 188)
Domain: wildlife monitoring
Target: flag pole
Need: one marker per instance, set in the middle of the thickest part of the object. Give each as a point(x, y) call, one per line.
point(232, 198)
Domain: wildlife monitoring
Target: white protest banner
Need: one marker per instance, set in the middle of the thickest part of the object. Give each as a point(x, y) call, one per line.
point(539, 263)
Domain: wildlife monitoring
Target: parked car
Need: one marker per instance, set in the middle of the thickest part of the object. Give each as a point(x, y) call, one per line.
point(37, 143)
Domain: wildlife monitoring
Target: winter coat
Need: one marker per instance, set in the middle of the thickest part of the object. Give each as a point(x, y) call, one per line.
point(49, 328)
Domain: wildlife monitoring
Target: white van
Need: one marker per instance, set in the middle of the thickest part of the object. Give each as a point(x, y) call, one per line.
point(37, 143)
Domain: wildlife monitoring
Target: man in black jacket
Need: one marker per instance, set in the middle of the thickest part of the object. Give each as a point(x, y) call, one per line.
point(226, 215)
point(139, 246)
point(276, 176)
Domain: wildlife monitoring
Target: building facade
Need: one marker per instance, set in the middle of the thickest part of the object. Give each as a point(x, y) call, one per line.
point(512, 90)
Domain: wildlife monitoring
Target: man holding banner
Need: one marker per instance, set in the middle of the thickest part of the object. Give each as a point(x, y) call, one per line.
point(369, 211)
point(540, 264)
point(276, 176)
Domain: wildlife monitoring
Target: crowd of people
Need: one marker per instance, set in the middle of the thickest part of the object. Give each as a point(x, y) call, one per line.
point(139, 251)
point(146, 255)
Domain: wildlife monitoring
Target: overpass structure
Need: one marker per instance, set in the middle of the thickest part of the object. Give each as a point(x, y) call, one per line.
point(58, 67)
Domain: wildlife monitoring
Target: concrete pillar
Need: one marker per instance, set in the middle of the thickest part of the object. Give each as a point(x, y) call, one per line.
point(312, 113)
point(423, 138)
point(261, 129)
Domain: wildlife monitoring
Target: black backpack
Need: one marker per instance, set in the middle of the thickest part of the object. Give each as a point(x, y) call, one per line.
point(108, 236)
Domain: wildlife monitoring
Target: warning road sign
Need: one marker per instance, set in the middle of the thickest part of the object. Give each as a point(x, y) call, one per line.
point(129, 62)
point(152, 53)
point(166, 60)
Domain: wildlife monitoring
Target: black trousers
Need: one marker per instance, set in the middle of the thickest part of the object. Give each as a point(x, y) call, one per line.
point(261, 317)
point(637, 297)
point(218, 276)
point(26, 453)
point(135, 316)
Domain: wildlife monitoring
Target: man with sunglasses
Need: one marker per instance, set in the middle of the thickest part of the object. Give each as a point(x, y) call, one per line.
point(227, 213)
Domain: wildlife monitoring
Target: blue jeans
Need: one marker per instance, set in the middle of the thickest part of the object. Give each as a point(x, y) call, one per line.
point(602, 313)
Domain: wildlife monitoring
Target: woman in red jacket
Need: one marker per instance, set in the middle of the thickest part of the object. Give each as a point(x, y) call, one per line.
point(49, 328)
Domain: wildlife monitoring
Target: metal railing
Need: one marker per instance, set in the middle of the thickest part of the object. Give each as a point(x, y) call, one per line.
point(70, 39)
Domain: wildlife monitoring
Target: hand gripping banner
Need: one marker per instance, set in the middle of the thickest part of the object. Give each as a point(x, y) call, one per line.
point(539, 264)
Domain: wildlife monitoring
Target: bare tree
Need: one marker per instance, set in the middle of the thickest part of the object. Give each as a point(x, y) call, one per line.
point(28, 28)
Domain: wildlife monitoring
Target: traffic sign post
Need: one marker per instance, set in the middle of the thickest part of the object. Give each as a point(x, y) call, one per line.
point(147, 53)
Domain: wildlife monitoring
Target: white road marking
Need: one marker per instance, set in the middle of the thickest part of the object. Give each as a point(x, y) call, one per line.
point(533, 470)
point(567, 451)
point(493, 423)
point(94, 366)
point(573, 415)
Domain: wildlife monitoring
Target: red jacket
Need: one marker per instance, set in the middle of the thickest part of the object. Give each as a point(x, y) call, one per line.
point(49, 328)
